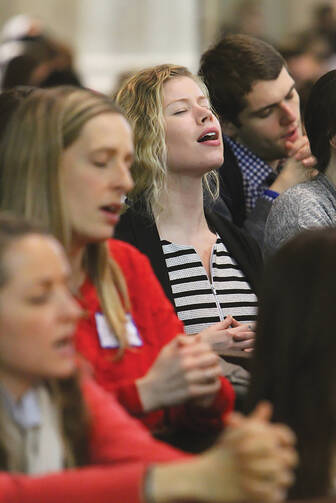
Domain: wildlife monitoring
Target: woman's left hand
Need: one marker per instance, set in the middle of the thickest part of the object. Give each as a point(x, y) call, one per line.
point(228, 335)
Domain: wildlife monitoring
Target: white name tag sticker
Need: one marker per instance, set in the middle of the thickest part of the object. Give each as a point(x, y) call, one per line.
point(107, 338)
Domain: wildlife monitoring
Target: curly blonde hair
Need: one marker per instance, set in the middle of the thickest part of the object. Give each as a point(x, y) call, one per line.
point(140, 98)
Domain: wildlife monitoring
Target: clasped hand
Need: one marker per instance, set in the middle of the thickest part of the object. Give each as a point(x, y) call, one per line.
point(229, 335)
point(186, 369)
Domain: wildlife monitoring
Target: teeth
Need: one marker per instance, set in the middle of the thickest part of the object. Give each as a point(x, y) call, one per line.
point(208, 136)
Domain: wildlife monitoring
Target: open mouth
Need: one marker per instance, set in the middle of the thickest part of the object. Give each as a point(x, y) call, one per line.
point(208, 136)
point(113, 209)
point(65, 343)
point(292, 135)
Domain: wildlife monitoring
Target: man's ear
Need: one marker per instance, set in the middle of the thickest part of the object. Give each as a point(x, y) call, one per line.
point(229, 129)
point(332, 142)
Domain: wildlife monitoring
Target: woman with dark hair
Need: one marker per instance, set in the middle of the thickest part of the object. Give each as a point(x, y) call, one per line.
point(294, 358)
point(55, 419)
point(312, 203)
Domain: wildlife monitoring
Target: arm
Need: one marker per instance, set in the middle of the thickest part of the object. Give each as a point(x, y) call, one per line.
point(253, 461)
point(103, 484)
point(117, 437)
point(296, 169)
point(176, 374)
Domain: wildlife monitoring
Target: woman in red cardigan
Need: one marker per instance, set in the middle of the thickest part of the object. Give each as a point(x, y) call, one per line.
point(72, 150)
point(54, 422)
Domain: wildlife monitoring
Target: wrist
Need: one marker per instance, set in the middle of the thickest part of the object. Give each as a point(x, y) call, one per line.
point(212, 476)
point(272, 194)
point(187, 484)
point(146, 391)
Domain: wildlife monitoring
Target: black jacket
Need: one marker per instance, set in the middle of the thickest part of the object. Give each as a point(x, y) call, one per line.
point(138, 229)
point(232, 197)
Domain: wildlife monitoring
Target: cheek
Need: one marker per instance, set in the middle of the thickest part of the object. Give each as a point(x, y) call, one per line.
point(79, 187)
point(15, 345)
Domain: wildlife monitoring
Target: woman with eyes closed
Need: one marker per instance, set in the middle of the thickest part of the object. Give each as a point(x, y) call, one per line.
point(207, 267)
point(74, 148)
point(62, 438)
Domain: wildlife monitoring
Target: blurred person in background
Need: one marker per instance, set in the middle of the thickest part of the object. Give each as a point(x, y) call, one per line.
point(30, 56)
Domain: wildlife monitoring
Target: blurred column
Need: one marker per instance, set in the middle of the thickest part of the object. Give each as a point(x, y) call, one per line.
point(115, 36)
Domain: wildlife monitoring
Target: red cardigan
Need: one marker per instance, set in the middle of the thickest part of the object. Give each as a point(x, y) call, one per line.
point(157, 324)
point(120, 447)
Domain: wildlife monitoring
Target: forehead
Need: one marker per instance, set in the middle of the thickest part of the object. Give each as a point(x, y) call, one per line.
point(268, 92)
point(105, 131)
point(180, 88)
point(33, 257)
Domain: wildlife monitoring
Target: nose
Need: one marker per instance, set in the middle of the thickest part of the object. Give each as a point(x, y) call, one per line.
point(287, 114)
point(69, 307)
point(203, 115)
point(122, 178)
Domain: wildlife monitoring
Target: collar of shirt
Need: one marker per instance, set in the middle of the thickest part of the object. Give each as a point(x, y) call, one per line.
point(254, 170)
point(25, 412)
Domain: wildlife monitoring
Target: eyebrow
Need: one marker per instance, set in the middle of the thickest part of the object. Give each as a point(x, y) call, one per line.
point(186, 100)
point(271, 105)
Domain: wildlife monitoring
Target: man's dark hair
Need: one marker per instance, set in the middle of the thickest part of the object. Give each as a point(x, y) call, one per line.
point(232, 66)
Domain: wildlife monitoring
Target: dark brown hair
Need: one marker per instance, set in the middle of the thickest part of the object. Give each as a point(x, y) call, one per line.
point(232, 66)
point(294, 358)
point(320, 118)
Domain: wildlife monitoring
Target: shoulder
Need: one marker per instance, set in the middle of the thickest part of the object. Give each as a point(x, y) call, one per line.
point(304, 196)
point(124, 253)
point(132, 262)
point(301, 207)
point(230, 233)
point(135, 265)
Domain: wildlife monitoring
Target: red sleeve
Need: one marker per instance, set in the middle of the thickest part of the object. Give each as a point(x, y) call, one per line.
point(209, 419)
point(153, 315)
point(103, 484)
point(116, 437)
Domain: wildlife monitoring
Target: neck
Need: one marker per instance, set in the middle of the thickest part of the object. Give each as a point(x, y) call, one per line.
point(77, 271)
point(273, 163)
point(16, 384)
point(330, 172)
point(182, 214)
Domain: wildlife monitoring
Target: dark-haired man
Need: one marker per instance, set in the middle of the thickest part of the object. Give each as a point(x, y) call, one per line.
point(257, 103)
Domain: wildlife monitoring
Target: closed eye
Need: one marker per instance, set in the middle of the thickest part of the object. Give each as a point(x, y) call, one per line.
point(100, 164)
point(264, 113)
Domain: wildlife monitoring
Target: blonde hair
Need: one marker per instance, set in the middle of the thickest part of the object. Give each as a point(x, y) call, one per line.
point(141, 100)
point(43, 126)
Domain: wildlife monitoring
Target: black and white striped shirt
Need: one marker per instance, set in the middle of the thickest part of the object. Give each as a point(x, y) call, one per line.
point(201, 301)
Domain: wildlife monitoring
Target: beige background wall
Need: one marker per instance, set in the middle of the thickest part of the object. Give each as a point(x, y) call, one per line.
point(111, 36)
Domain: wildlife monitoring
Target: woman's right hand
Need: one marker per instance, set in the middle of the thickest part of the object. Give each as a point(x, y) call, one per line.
point(185, 369)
